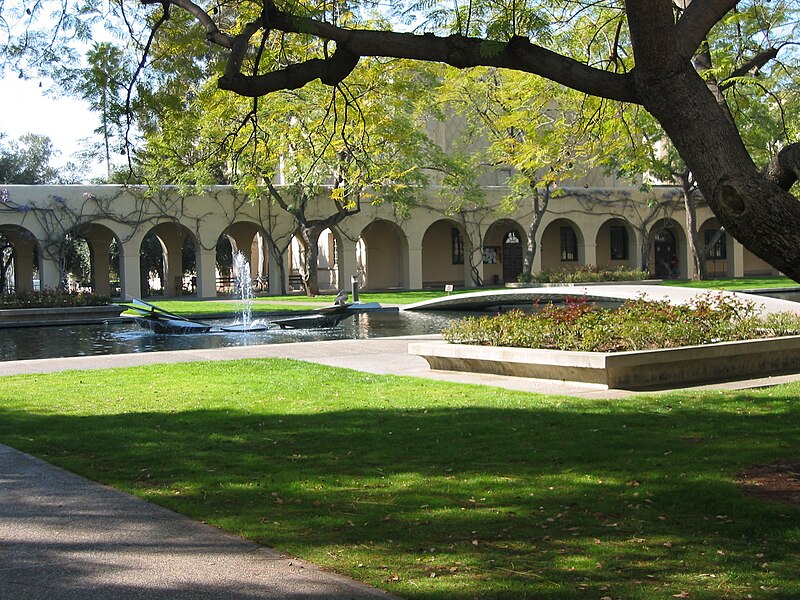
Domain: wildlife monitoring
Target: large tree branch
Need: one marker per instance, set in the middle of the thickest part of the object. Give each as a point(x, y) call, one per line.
point(750, 67)
point(784, 169)
point(330, 71)
point(697, 20)
point(458, 51)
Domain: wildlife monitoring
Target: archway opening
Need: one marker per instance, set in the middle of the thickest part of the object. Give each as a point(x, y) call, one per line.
point(665, 252)
point(19, 260)
point(151, 265)
point(445, 250)
point(382, 256)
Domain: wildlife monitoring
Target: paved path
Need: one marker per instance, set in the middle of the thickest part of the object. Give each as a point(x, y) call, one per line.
point(64, 537)
point(673, 294)
point(378, 355)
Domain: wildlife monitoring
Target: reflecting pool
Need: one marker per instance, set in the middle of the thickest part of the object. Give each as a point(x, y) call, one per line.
point(25, 343)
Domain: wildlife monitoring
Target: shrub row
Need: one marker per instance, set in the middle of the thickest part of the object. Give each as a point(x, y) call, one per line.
point(637, 325)
point(585, 274)
point(52, 299)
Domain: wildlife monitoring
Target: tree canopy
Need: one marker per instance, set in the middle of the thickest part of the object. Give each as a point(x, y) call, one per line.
point(650, 53)
point(27, 160)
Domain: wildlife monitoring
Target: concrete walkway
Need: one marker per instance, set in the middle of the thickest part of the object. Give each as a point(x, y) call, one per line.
point(64, 537)
point(617, 292)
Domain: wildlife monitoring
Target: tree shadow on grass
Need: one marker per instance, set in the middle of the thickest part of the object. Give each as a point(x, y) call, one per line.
point(465, 502)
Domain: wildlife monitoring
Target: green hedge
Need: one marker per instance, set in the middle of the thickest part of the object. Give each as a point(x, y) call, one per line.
point(585, 274)
point(637, 325)
point(52, 299)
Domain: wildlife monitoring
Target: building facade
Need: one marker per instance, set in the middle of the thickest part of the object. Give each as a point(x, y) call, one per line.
point(428, 247)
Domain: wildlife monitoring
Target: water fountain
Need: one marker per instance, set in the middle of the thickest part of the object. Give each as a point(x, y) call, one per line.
point(244, 286)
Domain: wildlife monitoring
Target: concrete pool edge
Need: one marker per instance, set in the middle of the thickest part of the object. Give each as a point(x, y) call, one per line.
point(62, 315)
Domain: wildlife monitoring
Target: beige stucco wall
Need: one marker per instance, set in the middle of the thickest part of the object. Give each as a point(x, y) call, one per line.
point(412, 251)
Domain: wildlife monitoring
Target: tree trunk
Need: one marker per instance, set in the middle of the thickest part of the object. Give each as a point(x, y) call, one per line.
point(539, 209)
point(698, 257)
point(276, 253)
point(697, 252)
point(757, 212)
point(310, 236)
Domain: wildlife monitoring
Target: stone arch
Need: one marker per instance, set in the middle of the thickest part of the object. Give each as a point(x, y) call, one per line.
point(104, 257)
point(382, 256)
point(330, 248)
point(249, 238)
point(175, 277)
point(562, 246)
point(668, 259)
point(445, 251)
point(616, 244)
point(20, 253)
point(503, 251)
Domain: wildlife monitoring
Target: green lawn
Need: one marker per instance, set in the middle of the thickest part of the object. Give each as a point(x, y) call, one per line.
point(267, 304)
point(739, 283)
point(435, 490)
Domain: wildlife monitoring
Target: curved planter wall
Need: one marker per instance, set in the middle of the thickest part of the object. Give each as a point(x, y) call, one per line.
point(637, 370)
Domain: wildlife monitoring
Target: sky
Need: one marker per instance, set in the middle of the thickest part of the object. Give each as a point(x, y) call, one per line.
point(24, 108)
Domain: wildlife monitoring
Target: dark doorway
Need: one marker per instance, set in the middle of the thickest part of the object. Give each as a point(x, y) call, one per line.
point(666, 255)
point(512, 256)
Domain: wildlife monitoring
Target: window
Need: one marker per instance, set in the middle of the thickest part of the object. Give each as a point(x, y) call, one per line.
point(457, 245)
point(569, 244)
point(619, 243)
point(719, 251)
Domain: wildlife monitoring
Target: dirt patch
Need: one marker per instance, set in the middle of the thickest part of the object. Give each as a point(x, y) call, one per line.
point(778, 481)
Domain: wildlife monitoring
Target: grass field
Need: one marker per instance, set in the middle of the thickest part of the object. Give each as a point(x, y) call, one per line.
point(269, 304)
point(740, 283)
point(435, 490)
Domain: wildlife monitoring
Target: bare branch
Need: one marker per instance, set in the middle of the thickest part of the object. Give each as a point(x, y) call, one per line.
point(330, 71)
point(213, 34)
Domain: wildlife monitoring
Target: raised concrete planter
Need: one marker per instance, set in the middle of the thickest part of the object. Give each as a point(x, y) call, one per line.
point(638, 370)
point(26, 317)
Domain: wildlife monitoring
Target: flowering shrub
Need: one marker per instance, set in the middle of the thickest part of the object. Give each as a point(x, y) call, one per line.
point(636, 325)
point(52, 299)
point(585, 274)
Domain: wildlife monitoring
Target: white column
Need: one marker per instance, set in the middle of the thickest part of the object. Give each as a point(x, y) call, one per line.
point(346, 263)
point(49, 275)
point(735, 259)
point(274, 275)
point(101, 261)
point(206, 273)
point(129, 277)
point(590, 255)
point(414, 268)
point(23, 265)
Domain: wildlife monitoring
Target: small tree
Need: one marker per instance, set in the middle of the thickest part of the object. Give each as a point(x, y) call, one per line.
point(519, 124)
point(27, 160)
point(103, 83)
point(363, 142)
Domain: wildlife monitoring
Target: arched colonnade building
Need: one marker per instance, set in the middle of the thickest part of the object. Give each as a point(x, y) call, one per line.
point(428, 247)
